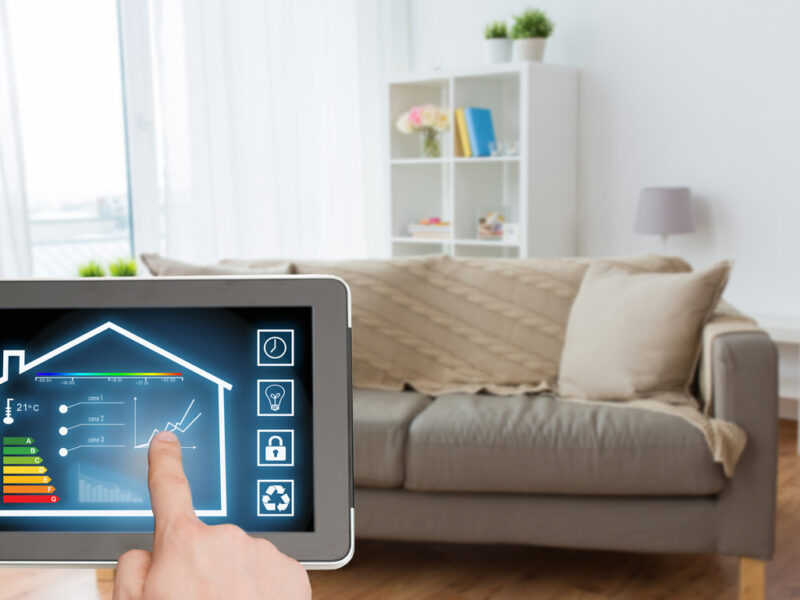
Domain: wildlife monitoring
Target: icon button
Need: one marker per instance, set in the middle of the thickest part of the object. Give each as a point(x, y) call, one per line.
point(275, 498)
point(275, 448)
point(275, 397)
point(275, 347)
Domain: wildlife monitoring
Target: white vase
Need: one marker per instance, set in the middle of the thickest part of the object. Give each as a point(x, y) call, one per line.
point(497, 50)
point(529, 49)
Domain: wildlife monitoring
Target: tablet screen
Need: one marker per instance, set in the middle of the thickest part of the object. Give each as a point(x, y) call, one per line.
point(83, 391)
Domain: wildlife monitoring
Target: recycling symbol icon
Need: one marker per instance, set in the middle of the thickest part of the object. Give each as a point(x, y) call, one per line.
point(276, 499)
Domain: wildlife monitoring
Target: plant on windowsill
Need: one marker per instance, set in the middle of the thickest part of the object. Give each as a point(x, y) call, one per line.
point(430, 121)
point(124, 267)
point(530, 32)
point(497, 45)
point(91, 269)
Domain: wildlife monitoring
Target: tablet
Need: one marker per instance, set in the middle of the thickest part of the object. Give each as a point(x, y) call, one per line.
point(251, 373)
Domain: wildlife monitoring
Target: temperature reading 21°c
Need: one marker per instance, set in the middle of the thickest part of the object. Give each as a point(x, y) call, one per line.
point(26, 407)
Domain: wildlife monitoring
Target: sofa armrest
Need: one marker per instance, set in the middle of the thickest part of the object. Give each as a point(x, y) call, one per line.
point(744, 372)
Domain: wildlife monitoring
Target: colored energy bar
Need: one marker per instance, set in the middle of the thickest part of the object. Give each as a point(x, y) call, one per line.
point(28, 489)
point(22, 460)
point(25, 499)
point(21, 470)
point(109, 374)
point(20, 450)
point(17, 441)
point(26, 479)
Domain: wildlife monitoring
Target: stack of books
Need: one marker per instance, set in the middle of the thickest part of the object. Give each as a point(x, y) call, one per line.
point(430, 229)
point(474, 131)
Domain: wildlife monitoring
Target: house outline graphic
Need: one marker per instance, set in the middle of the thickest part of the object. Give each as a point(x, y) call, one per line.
point(222, 387)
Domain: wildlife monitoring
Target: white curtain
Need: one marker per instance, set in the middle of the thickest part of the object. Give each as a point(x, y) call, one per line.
point(15, 249)
point(268, 119)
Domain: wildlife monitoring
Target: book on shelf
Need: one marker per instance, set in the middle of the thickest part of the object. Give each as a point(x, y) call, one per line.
point(480, 129)
point(430, 230)
point(432, 235)
point(462, 136)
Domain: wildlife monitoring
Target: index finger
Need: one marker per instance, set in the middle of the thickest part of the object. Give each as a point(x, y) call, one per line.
point(170, 495)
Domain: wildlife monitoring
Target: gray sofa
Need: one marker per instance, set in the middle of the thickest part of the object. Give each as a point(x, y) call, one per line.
point(533, 470)
point(525, 469)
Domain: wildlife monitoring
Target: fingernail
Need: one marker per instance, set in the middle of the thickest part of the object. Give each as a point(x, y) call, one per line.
point(166, 436)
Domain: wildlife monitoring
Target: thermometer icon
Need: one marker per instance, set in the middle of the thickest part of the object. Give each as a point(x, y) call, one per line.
point(8, 420)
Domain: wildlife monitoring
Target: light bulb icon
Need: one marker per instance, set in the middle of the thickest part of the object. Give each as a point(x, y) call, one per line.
point(275, 394)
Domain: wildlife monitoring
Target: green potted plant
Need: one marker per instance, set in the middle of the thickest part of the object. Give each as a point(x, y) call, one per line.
point(123, 267)
point(497, 46)
point(91, 269)
point(530, 32)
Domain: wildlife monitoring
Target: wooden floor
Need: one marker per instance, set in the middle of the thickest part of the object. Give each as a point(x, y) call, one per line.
point(427, 571)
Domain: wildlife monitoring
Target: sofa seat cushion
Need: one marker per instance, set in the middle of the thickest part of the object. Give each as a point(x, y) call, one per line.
point(482, 443)
point(380, 427)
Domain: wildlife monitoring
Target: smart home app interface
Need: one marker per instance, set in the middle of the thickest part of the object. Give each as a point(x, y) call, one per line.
point(83, 392)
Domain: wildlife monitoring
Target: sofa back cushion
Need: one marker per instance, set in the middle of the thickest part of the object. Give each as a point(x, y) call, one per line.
point(441, 324)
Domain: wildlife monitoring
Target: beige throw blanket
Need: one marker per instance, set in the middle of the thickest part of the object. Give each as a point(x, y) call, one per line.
point(441, 324)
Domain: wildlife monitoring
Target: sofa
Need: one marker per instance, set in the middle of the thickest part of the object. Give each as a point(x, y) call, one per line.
point(466, 460)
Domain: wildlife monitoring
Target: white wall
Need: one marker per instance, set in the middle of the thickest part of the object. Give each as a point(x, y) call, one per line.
point(704, 93)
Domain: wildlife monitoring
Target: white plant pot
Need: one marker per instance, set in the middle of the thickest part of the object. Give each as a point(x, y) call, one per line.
point(529, 49)
point(497, 50)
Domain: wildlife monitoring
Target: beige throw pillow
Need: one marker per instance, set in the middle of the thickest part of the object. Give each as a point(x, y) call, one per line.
point(631, 335)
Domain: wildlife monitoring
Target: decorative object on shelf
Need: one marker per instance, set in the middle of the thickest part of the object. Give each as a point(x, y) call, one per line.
point(664, 211)
point(530, 32)
point(430, 121)
point(91, 269)
point(494, 225)
point(480, 130)
point(497, 46)
point(430, 229)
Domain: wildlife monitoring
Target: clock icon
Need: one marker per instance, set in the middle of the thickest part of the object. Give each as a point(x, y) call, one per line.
point(274, 347)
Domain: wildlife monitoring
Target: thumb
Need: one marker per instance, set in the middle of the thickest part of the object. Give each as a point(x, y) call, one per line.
point(170, 495)
point(132, 569)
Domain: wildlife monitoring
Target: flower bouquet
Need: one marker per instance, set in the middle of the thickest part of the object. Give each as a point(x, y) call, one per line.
point(430, 121)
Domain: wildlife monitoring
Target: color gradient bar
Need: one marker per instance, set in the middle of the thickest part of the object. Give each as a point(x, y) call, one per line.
point(20, 450)
point(109, 374)
point(22, 460)
point(18, 441)
point(28, 489)
point(26, 479)
point(25, 499)
point(23, 470)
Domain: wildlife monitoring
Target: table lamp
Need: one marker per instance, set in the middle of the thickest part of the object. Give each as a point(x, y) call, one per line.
point(664, 211)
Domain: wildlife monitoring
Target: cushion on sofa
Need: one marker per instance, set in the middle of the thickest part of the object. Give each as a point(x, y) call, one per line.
point(380, 427)
point(630, 335)
point(525, 444)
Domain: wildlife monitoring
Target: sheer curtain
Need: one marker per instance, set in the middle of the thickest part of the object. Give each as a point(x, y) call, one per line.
point(268, 126)
point(15, 250)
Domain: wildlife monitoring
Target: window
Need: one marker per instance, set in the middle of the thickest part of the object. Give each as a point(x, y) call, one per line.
point(68, 74)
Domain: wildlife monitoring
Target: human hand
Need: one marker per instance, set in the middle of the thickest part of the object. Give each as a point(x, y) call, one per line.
point(193, 560)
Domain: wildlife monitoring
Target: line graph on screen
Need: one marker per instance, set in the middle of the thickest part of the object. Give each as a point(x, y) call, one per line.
point(179, 426)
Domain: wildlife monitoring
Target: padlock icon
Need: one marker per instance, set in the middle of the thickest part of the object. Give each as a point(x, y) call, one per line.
point(276, 452)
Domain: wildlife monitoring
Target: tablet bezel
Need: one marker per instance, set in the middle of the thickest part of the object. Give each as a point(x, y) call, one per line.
point(331, 543)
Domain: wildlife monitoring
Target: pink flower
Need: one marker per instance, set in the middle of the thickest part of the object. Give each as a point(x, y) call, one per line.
point(415, 116)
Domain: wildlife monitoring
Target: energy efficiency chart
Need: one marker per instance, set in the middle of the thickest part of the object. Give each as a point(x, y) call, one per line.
point(90, 409)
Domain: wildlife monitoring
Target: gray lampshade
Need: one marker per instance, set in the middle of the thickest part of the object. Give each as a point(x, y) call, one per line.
point(665, 210)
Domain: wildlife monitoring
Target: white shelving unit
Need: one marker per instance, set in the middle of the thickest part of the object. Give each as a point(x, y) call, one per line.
point(532, 104)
